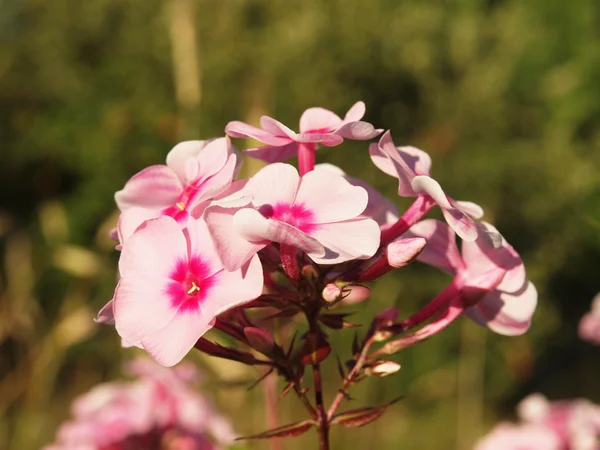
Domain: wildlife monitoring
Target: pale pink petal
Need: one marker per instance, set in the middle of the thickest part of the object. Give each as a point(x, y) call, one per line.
point(153, 187)
point(212, 159)
point(381, 161)
point(276, 128)
point(217, 183)
point(418, 161)
point(238, 129)
point(179, 155)
point(327, 139)
point(106, 315)
point(441, 250)
point(589, 328)
point(319, 119)
point(355, 113)
point(235, 288)
point(200, 242)
point(253, 226)
point(472, 209)
point(506, 314)
point(131, 219)
point(462, 224)
point(234, 251)
point(520, 437)
point(344, 241)
point(360, 131)
point(275, 183)
point(387, 157)
point(274, 154)
point(172, 342)
point(425, 185)
point(331, 198)
point(146, 263)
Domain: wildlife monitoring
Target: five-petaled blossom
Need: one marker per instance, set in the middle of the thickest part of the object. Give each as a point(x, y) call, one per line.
point(173, 285)
point(489, 275)
point(317, 126)
point(319, 213)
point(412, 167)
point(195, 173)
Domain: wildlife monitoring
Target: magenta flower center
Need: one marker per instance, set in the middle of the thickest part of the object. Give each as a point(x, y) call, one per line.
point(296, 215)
point(189, 284)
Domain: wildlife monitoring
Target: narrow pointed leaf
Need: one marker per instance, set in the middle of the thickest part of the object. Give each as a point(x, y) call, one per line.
point(360, 417)
point(290, 430)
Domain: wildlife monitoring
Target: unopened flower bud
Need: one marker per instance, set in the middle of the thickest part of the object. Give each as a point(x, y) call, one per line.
point(382, 368)
point(259, 340)
point(356, 294)
point(403, 250)
point(309, 272)
point(383, 321)
point(332, 292)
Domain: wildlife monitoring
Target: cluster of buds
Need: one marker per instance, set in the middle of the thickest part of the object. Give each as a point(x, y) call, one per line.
point(558, 425)
point(201, 249)
point(159, 409)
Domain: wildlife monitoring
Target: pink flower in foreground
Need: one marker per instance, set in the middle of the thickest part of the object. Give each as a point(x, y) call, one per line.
point(195, 173)
point(318, 213)
point(159, 410)
point(412, 168)
point(489, 275)
point(589, 326)
point(173, 285)
point(317, 125)
point(560, 425)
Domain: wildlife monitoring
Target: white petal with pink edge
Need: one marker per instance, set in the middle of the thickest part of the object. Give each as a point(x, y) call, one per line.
point(275, 183)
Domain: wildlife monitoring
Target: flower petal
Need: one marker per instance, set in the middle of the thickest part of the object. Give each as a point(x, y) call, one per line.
point(425, 185)
point(200, 243)
point(506, 314)
point(462, 224)
point(355, 113)
point(330, 197)
point(276, 128)
point(179, 155)
point(360, 131)
point(272, 154)
point(234, 251)
point(275, 183)
point(441, 250)
point(172, 342)
point(319, 119)
point(153, 187)
point(239, 129)
point(213, 157)
point(472, 209)
point(251, 225)
point(344, 241)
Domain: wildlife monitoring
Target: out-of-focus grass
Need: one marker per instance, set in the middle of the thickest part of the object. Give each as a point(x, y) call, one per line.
point(503, 94)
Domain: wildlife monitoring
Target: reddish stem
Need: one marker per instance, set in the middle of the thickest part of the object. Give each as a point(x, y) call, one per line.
point(421, 206)
point(306, 157)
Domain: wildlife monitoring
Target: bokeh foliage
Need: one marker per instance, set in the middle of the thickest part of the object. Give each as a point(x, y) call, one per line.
point(504, 95)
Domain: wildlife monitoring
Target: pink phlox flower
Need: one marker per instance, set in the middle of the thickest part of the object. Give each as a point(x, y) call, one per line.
point(488, 272)
point(159, 407)
point(317, 125)
point(195, 173)
point(508, 436)
point(173, 285)
point(589, 326)
point(319, 213)
point(412, 168)
point(379, 208)
point(575, 422)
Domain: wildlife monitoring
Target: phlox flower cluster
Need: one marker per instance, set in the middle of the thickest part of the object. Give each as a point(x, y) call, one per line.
point(158, 409)
point(196, 241)
point(548, 425)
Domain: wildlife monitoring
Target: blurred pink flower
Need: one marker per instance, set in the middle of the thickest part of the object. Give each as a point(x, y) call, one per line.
point(195, 173)
point(317, 125)
point(159, 410)
point(589, 326)
point(173, 285)
point(489, 275)
point(561, 425)
point(412, 167)
point(318, 213)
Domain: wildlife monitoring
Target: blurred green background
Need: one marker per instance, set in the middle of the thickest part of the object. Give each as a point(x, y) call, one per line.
point(504, 95)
